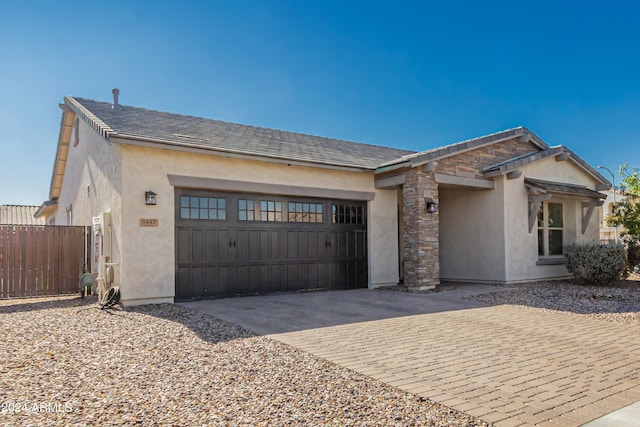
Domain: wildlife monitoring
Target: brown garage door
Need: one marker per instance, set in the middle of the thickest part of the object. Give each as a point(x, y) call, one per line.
point(241, 244)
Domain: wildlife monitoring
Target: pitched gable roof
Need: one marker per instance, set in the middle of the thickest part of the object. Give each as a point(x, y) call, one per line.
point(415, 159)
point(557, 151)
point(128, 124)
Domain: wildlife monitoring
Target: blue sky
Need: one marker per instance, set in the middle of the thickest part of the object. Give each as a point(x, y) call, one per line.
point(412, 75)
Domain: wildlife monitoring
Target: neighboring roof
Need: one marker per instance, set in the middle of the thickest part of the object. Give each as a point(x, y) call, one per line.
point(19, 215)
point(562, 188)
point(414, 159)
point(169, 129)
point(525, 159)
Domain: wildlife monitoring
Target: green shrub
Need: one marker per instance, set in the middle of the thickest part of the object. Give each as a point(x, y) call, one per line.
point(595, 264)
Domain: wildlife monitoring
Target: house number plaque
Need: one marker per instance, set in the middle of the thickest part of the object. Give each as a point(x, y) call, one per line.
point(148, 222)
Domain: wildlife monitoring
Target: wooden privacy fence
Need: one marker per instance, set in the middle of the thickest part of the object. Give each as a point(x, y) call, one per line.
point(38, 260)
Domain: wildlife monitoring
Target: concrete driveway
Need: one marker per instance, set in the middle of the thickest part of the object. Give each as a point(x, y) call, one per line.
point(510, 365)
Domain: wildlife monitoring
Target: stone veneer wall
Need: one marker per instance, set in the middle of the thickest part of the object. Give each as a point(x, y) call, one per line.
point(421, 251)
point(421, 237)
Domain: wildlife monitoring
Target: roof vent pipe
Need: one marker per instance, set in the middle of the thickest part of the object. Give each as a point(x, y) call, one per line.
point(115, 93)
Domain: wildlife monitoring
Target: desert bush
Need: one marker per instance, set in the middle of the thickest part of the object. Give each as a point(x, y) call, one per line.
point(595, 264)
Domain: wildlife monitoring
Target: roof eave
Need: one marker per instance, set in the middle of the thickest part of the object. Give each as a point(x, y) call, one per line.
point(46, 209)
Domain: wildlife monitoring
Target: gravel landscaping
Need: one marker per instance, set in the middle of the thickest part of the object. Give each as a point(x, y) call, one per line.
point(62, 363)
point(65, 362)
point(618, 303)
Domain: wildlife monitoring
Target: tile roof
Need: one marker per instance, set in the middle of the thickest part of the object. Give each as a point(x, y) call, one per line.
point(524, 159)
point(19, 215)
point(563, 188)
point(195, 132)
point(469, 144)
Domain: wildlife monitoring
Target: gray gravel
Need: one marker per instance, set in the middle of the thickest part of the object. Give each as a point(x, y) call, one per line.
point(62, 364)
point(619, 303)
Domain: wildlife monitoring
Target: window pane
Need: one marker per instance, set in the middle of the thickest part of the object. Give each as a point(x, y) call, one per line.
point(222, 215)
point(555, 215)
point(204, 203)
point(250, 205)
point(221, 203)
point(555, 242)
point(278, 216)
point(263, 215)
point(319, 208)
point(212, 203)
point(271, 205)
point(250, 215)
point(292, 207)
point(184, 202)
point(184, 213)
point(213, 214)
point(193, 202)
point(194, 213)
point(204, 213)
point(242, 215)
point(242, 205)
point(278, 207)
point(271, 216)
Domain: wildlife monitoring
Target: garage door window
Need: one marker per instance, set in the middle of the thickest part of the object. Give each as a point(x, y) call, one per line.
point(203, 208)
point(246, 210)
point(347, 214)
point(305, 212)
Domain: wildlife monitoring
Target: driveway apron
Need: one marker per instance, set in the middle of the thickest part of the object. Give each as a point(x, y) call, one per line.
point(510, 365)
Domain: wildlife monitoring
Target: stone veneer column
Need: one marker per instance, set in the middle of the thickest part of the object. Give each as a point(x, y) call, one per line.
point(421, 249)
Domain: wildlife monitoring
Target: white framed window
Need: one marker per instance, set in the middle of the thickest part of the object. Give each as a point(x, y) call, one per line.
point(550, 229)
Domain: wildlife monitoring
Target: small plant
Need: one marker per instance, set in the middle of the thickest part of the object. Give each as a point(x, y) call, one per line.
point(595, 264)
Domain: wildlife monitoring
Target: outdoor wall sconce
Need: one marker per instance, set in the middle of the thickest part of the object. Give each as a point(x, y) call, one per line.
point(432, 207)
point(150, 198)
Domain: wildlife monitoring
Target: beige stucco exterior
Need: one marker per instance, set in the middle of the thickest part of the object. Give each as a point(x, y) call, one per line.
point(104, 176)
point(485, 236)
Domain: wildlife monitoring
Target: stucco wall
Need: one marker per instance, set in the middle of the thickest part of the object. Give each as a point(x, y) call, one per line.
point(148, 264)
point(472, 234)
point(522, 245)
point(92, 184)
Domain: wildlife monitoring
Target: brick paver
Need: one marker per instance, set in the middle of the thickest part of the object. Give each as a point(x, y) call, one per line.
point(510, 365)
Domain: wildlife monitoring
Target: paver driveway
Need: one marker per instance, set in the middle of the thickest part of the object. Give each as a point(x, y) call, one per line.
point(511, 365)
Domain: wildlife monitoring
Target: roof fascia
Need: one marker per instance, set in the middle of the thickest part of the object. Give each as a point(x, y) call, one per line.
point(62, 151)
point(93, 121)
point(192, 148)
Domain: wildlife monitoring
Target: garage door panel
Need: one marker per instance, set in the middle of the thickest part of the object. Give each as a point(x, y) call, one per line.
point(265, 278)
point(292, 277)
point(211, 251)
point(265, 245)
point(224, 286)
point(278, 277)
point(197, 280)
point(312, 276)
point(183, 283)
point(183, 243)
point(302, 245)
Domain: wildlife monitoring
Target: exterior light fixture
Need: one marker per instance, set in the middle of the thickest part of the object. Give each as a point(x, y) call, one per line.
point(150, 198)
point(432, 207)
